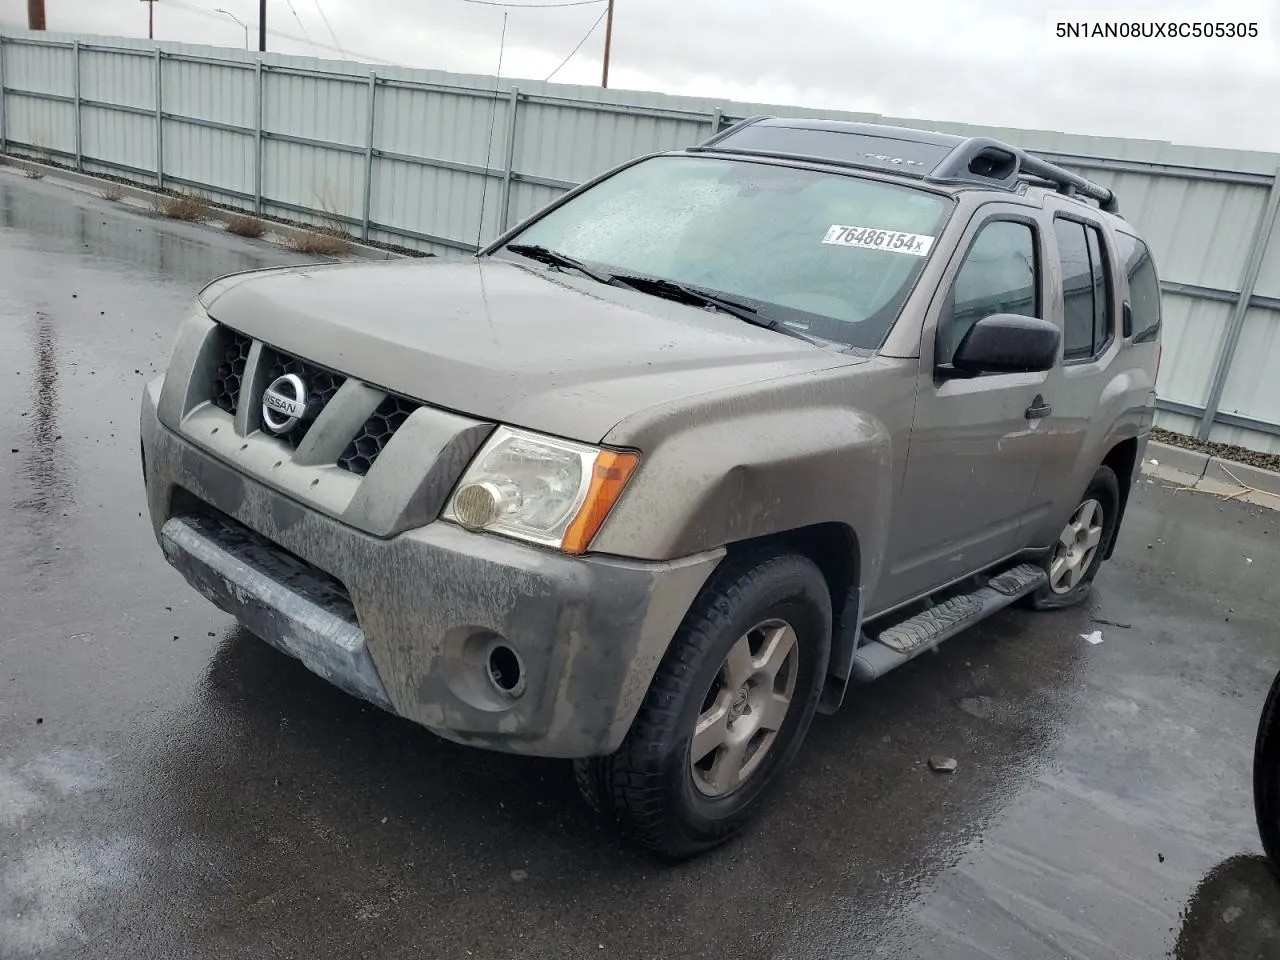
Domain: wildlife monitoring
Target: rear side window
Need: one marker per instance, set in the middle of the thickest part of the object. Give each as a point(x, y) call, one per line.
point(1103, 322)
point(1144, 287)
point(1088, 319)
point(999, 275)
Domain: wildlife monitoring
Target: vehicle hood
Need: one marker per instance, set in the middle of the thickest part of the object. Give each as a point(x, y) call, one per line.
point(528, 347)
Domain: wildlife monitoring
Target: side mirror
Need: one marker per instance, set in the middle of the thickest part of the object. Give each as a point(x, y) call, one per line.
point(1008, 343)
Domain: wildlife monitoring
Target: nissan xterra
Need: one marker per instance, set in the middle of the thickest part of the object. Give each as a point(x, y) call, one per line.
point(656, 475)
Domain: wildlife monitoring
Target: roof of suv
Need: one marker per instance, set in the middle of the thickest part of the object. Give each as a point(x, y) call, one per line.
point(938, 158)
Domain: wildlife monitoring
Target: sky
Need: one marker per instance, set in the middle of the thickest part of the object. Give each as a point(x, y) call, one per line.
point(989, 62)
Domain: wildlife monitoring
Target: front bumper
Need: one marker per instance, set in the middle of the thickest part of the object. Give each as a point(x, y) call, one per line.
point(406, 622)
point(283, 602)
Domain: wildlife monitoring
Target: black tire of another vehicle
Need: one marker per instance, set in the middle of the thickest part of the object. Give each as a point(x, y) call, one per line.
point(647, 786)
point(1104, 489)
point(1266, 775)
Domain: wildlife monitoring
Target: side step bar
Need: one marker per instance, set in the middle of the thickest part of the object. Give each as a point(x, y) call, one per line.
point(897, 643)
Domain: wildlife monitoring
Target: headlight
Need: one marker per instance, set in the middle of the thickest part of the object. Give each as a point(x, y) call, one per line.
point(548, 491)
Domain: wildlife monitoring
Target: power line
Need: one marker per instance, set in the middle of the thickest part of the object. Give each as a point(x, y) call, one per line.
point(203, 12)
point(579, 46)
point(328, 25)
point(302, 26)
point(306, 38)
point(493, 117)
point(535, 6)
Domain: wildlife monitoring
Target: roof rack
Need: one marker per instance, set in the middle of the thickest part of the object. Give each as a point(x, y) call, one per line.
point(933, 157)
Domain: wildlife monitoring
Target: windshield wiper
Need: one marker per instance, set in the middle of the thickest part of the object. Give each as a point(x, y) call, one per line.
point(660, 287)
point(703, 298)
point(544, 255)
point(673, 290)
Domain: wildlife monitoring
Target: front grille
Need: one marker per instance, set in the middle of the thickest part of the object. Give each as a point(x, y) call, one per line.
point(376, 434)
point(229, 378)
point(321, 384)
point(230, 388)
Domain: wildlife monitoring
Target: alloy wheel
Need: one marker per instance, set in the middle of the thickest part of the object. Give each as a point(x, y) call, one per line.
point(1073, 553)
point(745, 708)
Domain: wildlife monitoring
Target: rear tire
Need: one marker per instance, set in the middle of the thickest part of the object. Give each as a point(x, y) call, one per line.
point(1266, 775)
point(1084, 542)
point(759, 633)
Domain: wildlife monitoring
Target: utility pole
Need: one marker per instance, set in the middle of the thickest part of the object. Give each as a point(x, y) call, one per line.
point(35, 15)
point(262, 26)
point(608, 44)
point(151, 18)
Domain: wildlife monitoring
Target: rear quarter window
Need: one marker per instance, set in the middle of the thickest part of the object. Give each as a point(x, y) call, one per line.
point(1144, 287)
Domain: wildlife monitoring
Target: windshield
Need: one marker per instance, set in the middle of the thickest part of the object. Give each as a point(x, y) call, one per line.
point(830, 255)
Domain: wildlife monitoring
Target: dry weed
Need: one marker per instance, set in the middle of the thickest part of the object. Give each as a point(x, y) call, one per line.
point(323, 243)
point(243, 225)
point(183, 206)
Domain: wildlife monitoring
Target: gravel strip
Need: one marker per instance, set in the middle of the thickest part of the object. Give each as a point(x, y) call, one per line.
point(1224, 451)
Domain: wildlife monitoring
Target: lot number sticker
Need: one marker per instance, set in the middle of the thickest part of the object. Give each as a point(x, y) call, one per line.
point(870, 238)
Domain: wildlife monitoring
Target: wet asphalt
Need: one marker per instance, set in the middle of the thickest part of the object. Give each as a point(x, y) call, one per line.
point(172, 787)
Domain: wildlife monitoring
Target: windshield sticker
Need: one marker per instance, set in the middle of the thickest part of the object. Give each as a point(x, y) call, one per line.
point(915, 244)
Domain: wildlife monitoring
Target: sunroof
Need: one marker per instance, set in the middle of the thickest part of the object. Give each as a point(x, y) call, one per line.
point(911, 157)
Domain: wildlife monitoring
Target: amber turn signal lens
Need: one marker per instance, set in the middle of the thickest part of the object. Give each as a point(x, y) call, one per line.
point(610, 474)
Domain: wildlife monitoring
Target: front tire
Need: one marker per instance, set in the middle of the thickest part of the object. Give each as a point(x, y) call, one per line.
point(726, 711)
point(1079, 550)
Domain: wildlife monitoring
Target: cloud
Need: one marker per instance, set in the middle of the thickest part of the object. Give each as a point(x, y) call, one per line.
point(976, 61)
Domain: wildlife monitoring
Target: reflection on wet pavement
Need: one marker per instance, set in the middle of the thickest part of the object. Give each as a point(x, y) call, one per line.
point(171, 787)
point(47, 477)
point(1235, 912)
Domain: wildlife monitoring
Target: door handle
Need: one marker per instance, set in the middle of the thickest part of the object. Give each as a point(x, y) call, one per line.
point(1038, 409)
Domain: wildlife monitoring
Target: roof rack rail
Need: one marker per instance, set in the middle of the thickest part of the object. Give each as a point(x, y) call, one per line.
point(933, 157)
point(732, 129)
point(1069, 183)
point(995, 160)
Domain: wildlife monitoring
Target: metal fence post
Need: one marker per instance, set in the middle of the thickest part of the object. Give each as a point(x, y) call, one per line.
point(1248, 280)
point(4, 144)
point(368, 153)
point(159, 120)
point(75, 52)
point(504, 214)
point(257, 139)
point(717, 118)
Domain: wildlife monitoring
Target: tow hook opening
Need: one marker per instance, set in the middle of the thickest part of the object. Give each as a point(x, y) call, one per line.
point(506, 671)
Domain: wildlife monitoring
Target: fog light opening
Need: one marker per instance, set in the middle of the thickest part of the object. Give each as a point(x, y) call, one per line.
point(506, 672)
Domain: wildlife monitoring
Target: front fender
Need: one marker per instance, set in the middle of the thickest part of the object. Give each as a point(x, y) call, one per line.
point(766, 459)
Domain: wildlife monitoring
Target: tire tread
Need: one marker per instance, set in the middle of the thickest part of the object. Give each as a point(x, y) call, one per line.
point(628, 786)
point(1045, 599)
